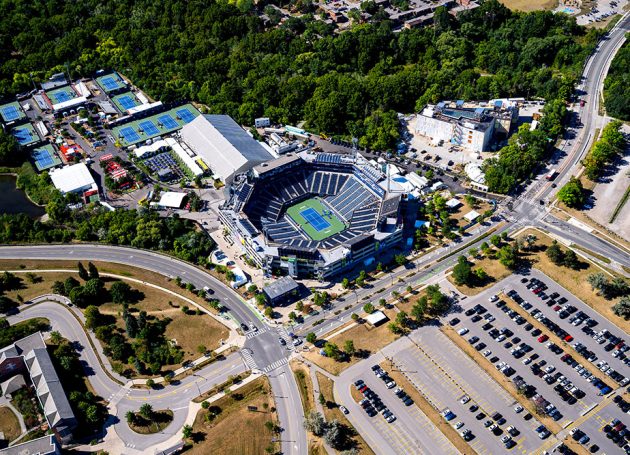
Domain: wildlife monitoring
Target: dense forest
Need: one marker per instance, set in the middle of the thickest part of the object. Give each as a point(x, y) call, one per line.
point(616, 85)
point(348, 83)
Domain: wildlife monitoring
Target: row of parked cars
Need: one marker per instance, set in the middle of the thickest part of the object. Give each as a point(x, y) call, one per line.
point(372, 403)
point(618, 433)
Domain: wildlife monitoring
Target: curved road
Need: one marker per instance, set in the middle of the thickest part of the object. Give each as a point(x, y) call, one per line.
point(268, 354)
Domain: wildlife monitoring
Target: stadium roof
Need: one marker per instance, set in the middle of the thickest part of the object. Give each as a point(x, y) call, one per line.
point(70, 179)
point(223, 145)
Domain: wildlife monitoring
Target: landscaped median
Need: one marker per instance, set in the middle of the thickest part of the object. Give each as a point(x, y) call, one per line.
point(149, 421)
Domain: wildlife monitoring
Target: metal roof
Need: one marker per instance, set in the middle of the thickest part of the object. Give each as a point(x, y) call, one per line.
point(280, 287)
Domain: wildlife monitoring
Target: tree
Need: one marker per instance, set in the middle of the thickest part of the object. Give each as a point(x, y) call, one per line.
point(130, 416)
point(146, 411)
point(93, 271)
point(571, 260)
point(462, 272)
point(202, 349)
point(83, 274)
point(394, 328)
point(508, 256)
point(368, 308)
point(473, 252)
point(150, 383)
point(315, 423)
point(354, 317)
point(400, 259)
point(55, 337)
point(120, 292)
point(58, 288)
point(348, 348)
point(598, 281)
point(187, 431)
point(321, 399)
point(345, 283)
point(402, 318)
point(333, 434)
point(420, 308)
point(382, 302)
point(495, 240)
point(311, 337)
point(93, 317)
point(268, 311)
point(332, 350)
point(6, 304)
point(299, 306)
point(292, 316)
point(572, 194)
point(554, 253)
point(622, 308)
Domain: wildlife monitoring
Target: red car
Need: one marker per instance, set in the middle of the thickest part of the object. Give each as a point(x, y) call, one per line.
point(568, 338)
point(557, 308)
point(542, 338)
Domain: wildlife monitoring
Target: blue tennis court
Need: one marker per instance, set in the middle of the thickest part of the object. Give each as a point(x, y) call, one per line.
point(129, 134)
point(25, 135)
point(149, 128)
point(44, 157)
point(314, 219)
point(10, 113)
point(110, 83)
point(185, 115)
point(127, 102)
point(61, 97)
point(167, 121)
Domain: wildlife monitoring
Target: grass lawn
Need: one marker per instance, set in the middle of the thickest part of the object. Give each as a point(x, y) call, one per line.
point(495, 270)
point(481, 206)
point(160, 420)
point(428, 410)
point(312, 211)
point(367, 340)
point(495, 374)
point(525, 5)
point(9, 424)
point(190, 330)
point(574, 280)
point(235, 430)
point(305, 386)
point(332, 412)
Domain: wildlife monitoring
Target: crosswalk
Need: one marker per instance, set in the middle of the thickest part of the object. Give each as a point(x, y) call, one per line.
point(249, 359)
point(274, 365)
point(252, 334)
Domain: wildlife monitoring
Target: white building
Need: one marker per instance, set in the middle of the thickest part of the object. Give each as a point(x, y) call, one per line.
point(468, 128)
point(170, 200)
point(73, 179)
point(223, 145)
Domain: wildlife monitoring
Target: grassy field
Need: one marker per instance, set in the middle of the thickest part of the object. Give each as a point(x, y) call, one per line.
point(235, 430)
point(367, 340)
point(9, 424)
point(332, 412)
point(495, 270)
point(335, 225)
point(305, 386)
point(525, 5)
point(190, 330)
point(573, 280)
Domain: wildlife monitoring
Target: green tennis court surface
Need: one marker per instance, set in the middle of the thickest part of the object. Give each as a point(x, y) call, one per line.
point(317, 221)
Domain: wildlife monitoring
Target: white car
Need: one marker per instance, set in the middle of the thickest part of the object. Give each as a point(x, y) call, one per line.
point(518, 408)
point(458, 425)
point(465, 399)
point(493, 298)
point(487, 353)
point(391, 384)
point(344, 409)
point(463, 331)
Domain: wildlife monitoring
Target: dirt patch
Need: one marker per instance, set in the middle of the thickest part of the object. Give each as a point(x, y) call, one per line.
point(332, 412)
point(235, 430)
point(480, 360)
point(525, 5)
point(9, 424)
point(428, 410)
point(366, 338)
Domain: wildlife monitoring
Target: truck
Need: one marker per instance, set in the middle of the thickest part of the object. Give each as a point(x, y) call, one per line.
point(552, 174)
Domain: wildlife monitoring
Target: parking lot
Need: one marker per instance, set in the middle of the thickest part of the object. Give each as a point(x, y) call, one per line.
point(452, 381)
point(409, 432)
point(595, 424)
point(558, 374)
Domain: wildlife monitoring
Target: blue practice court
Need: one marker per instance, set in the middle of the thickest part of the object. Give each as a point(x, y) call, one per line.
point(109, 83)
point(129, 134)
point(315, 219)
point(185, 115)
point(149, 128)
point(167, 121)
point(10, 113)
point(45, 158)
point(127, 102)
point(25, 135)
point(61, 97)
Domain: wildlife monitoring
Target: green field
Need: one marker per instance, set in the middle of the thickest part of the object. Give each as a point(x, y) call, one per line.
point(295, 212)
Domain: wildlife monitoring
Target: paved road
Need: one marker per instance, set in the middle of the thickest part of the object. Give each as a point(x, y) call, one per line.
point(263, 352)
point(175, 396)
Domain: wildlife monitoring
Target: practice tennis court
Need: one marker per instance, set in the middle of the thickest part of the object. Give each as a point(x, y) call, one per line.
point(45, 157)
point(315, 220)
point(167, 121)
point(110, 82)
point(156, 125)
point(11, 112)
point(25, 134)
point(185, 115)
point(128, 134)
point(61, 94)
point(149, 128)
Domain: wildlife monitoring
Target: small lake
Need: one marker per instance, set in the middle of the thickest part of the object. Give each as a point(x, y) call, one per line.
point(13, 200)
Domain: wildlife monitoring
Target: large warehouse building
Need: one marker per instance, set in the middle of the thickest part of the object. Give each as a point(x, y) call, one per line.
point(223, 145)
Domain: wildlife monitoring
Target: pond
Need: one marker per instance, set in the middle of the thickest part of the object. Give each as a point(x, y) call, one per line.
point(13, 200)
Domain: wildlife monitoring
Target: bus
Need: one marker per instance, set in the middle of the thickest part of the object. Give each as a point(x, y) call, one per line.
point(552, 174)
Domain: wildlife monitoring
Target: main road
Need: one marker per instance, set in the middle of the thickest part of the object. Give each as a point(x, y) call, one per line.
point(262, 351)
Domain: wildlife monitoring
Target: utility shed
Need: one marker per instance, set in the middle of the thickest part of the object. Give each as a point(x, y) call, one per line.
point(376, 318)
point(282, 291)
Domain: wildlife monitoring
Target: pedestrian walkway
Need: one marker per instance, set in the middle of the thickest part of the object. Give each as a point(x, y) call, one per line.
point(249, 359)
point(274, 365)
